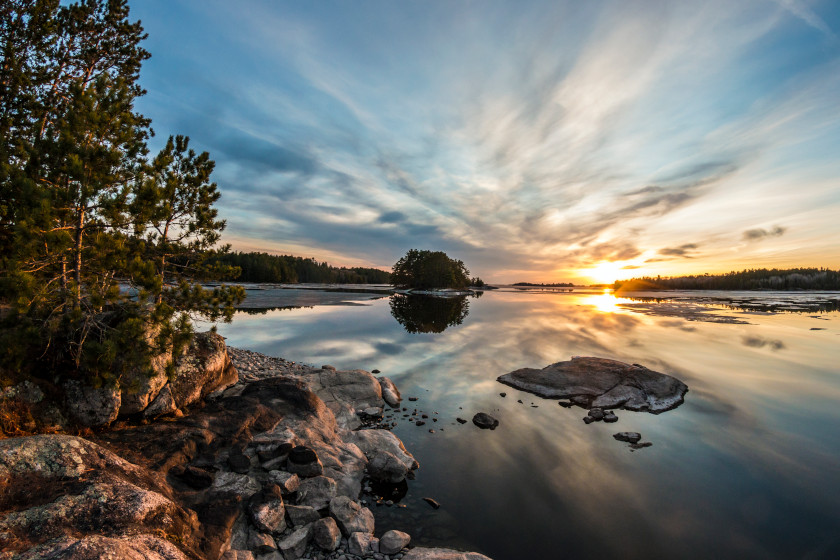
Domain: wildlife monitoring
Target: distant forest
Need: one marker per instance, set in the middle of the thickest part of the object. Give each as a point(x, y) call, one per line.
point(554, 285)
point(753, 279)
point(262, 267)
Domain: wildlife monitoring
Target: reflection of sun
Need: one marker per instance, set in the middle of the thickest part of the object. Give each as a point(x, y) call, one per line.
point(605, 272)
point(605, 303)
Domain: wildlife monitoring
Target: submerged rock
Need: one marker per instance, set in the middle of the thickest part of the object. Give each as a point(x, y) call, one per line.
point(485, 421)
point(629, 437)
point(601, 383)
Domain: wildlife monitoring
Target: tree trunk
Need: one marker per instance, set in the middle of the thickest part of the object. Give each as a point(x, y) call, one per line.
point(77, 269)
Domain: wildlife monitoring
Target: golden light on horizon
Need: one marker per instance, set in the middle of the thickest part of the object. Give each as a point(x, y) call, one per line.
point(605, 272)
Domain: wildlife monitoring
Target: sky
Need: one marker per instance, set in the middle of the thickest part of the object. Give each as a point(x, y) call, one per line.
point(536, 141)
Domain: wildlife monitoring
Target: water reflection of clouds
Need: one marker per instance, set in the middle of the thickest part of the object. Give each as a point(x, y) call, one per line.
point(755, 433)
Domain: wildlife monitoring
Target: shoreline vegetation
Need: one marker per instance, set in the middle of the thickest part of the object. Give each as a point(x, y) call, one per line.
point(792, 279)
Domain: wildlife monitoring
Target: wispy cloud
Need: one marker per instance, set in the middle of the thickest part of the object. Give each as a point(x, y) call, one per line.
point(538, 139)
point(759, 234)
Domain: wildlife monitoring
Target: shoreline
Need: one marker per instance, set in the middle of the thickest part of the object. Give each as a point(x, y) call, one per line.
point(276, 465)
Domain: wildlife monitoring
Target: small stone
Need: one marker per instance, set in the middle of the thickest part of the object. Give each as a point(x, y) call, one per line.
point(596, 414)
point(375, 371)
point(610, 417)
point(641, 445)
point(502, 395)
point(361, 543)
point(330, 368)
point(588, 419)
point(326, 534)
point(485, 421)
point(412, 399)
point(420, 423)
point(461, 421)
point(393, 542)
point(302, 515)
point(294, 545)
point(350, 516)
point(239, 463)
point(270, 516)
point(432, 502)
point(629, 437)
point(288, 482)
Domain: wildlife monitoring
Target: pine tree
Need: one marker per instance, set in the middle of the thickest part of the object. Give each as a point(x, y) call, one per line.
point(82, 273)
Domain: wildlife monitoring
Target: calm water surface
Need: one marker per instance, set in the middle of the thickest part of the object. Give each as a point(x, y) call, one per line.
point(748, 467)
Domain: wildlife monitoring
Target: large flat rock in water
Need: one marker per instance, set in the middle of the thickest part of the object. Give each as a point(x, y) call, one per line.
point(599, 382)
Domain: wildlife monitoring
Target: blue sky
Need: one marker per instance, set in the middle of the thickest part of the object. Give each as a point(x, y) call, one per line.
point(544, 141)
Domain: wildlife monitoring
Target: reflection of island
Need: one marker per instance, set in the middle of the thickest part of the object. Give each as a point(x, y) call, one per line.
point(428, 314)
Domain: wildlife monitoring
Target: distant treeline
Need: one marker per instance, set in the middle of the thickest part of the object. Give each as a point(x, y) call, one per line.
point(262, 267)
point(753, 279)
point(554, 285)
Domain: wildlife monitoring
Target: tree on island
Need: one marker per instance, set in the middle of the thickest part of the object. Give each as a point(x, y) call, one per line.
point(429, 270)
point(101, 247)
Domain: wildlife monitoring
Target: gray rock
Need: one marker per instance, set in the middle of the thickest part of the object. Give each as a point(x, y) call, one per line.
point(421, 553)
point(304, 462)
point(302, 515)
point(393, 541)
point(91, 406)
point(203, 369)
point(485, 421)
point(316, 492)
point(294, 545)
point(629, 437)
point(596, 413)
point(269, 516)
point(261, 543)
point(387, 457)
point(610, 417)
point(238, 555)
point(326, 534)
point(163, 403)
point(607, 383)
point(238, 484)
point(362, 544)
point(288, 482)
point(350, 516)
point(390, 393)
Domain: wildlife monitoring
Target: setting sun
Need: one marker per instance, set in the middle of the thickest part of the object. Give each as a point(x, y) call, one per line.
point(605, 272)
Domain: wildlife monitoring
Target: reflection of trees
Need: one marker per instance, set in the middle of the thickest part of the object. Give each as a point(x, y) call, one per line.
point(428, 314)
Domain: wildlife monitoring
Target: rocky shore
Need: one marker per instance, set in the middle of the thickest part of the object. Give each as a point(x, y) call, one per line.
point(267, 464)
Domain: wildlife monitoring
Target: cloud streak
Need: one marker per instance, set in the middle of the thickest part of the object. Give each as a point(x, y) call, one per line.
point(532, 141)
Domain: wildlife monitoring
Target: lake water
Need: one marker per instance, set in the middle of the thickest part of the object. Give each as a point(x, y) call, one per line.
point(747, 467)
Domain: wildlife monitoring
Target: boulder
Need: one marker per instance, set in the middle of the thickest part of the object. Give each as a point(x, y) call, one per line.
point(269, 516)
point(390, 393)
point(485, 421)
point(393, 541)
point(238, 484)
point(134, 547)
point(421, 553)
point(294, 545)
point(326, 534)
point(82, 485)
point(302, 515)
point(203, 369)
point(163, 403)
point(388, 460)
point(345, 392)
point(316, 492)
point(304, 462)
point(601, 383)
point(350, 516)
point(91, 406)
point(362, 544)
